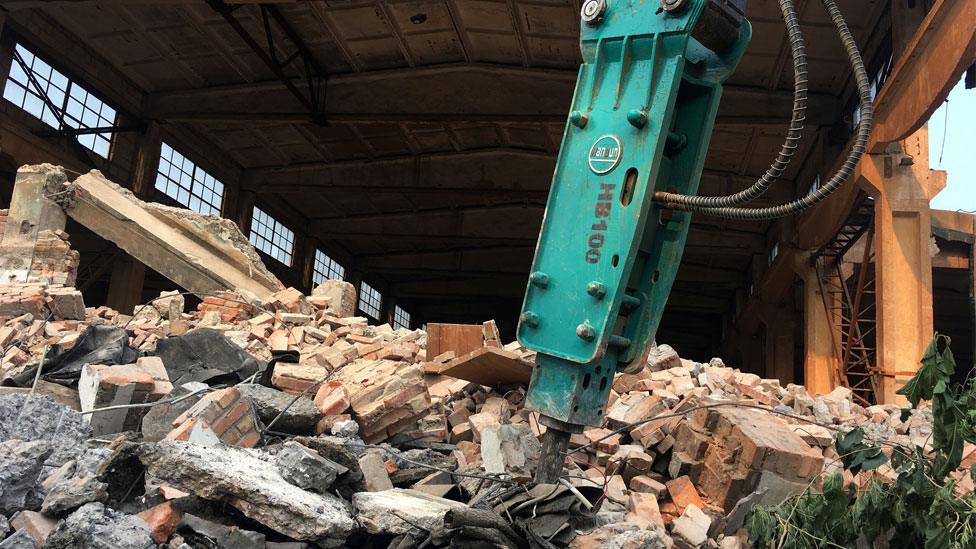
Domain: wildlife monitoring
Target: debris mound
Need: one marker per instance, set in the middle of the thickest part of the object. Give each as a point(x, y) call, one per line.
point(289, 422)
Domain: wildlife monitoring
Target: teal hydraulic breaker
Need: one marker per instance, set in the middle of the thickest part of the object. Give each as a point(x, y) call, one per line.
point(640, 122)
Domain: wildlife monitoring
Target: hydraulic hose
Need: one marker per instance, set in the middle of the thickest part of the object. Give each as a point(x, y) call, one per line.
point(846, 169)
point(793, 134)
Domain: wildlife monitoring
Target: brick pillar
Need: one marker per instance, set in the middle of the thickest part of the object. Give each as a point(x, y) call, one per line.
point(902, 186)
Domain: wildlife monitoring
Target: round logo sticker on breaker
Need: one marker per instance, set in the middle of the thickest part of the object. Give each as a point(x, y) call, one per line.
point(605, 154)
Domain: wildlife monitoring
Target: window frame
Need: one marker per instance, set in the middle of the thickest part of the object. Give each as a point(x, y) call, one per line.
point(330, 267)
point(267, 237)
point(63, 115)
point(365, 289)
point(399, 313)
point(201, 189)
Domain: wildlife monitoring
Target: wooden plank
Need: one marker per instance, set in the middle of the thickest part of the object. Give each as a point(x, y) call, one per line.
point(460, 338)
point(492, 339)
point(489, 366)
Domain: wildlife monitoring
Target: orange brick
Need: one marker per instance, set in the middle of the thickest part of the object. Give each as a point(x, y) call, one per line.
point(230, 418)
point(684, 493)
point(249, 440)
point(182, 432)
point(162, 520)
point(644, 508)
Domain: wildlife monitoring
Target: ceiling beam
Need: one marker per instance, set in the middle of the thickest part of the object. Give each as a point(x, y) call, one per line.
point(477, 92)
point(420, 237)
point(424, 212)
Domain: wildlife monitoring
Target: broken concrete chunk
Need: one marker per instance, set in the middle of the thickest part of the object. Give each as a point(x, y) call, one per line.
point(94, 525)
point(629, 535)
point(254, 486)
point(36, 526)
point(662, 357)
point(77, 483)
point(306, 469)
point(20, 465)
point(193, 527)
point(692, 526)
point(395, 511)
point(202, 253)
point(106, 386)
point(299, 418)
point(510, 448)
point(373, 466)
point(40, 418)
point(20, 540)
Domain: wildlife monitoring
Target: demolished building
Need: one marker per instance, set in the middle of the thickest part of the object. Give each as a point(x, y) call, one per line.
point(281, 420)
point(224, 320)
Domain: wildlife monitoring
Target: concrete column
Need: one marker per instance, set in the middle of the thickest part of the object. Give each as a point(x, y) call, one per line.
point(386, 309)
point(129, 275)
point(146, 161)
point(780, 341)
point(304, 258)
point(241, 211)
point(30, 213)
point(821, 361)
point(125, 286)
point(6, 52)
point(902, 186)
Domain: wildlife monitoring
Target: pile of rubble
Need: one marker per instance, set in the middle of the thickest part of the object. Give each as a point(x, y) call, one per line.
point(290, 422)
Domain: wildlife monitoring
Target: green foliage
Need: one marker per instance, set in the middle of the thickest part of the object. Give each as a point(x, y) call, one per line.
point(918, 509)
point(856, 455)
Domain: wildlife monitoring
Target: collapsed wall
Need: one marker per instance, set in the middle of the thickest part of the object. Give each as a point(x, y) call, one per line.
point(202, 253)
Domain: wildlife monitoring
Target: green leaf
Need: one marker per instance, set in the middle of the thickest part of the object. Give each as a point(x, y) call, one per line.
point(872, 462)
point(761, 526)
point(937, 537)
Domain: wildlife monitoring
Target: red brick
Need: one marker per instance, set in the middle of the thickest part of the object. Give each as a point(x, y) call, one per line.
point(38, 526)
point(162, 520)
point(230, 417)
point(683, 493)
point(647, 485)
point(644, 508)
point(249, 440)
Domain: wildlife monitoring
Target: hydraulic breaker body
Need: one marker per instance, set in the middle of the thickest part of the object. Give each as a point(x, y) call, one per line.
point(640, 122)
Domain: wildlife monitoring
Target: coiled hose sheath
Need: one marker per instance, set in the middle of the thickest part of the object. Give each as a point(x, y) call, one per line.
point(681, 202)
point(793, 134)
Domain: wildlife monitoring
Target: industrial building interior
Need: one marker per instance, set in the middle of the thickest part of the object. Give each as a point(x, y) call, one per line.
point(408, 147)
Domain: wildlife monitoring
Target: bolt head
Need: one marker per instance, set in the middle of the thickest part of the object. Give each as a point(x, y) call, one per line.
point(530, 319)
point(673, 6)
point(596, 289)
point(539, 279)
point(585, 332)
point(637, 118)
point(579, 119)
point(592, 11)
